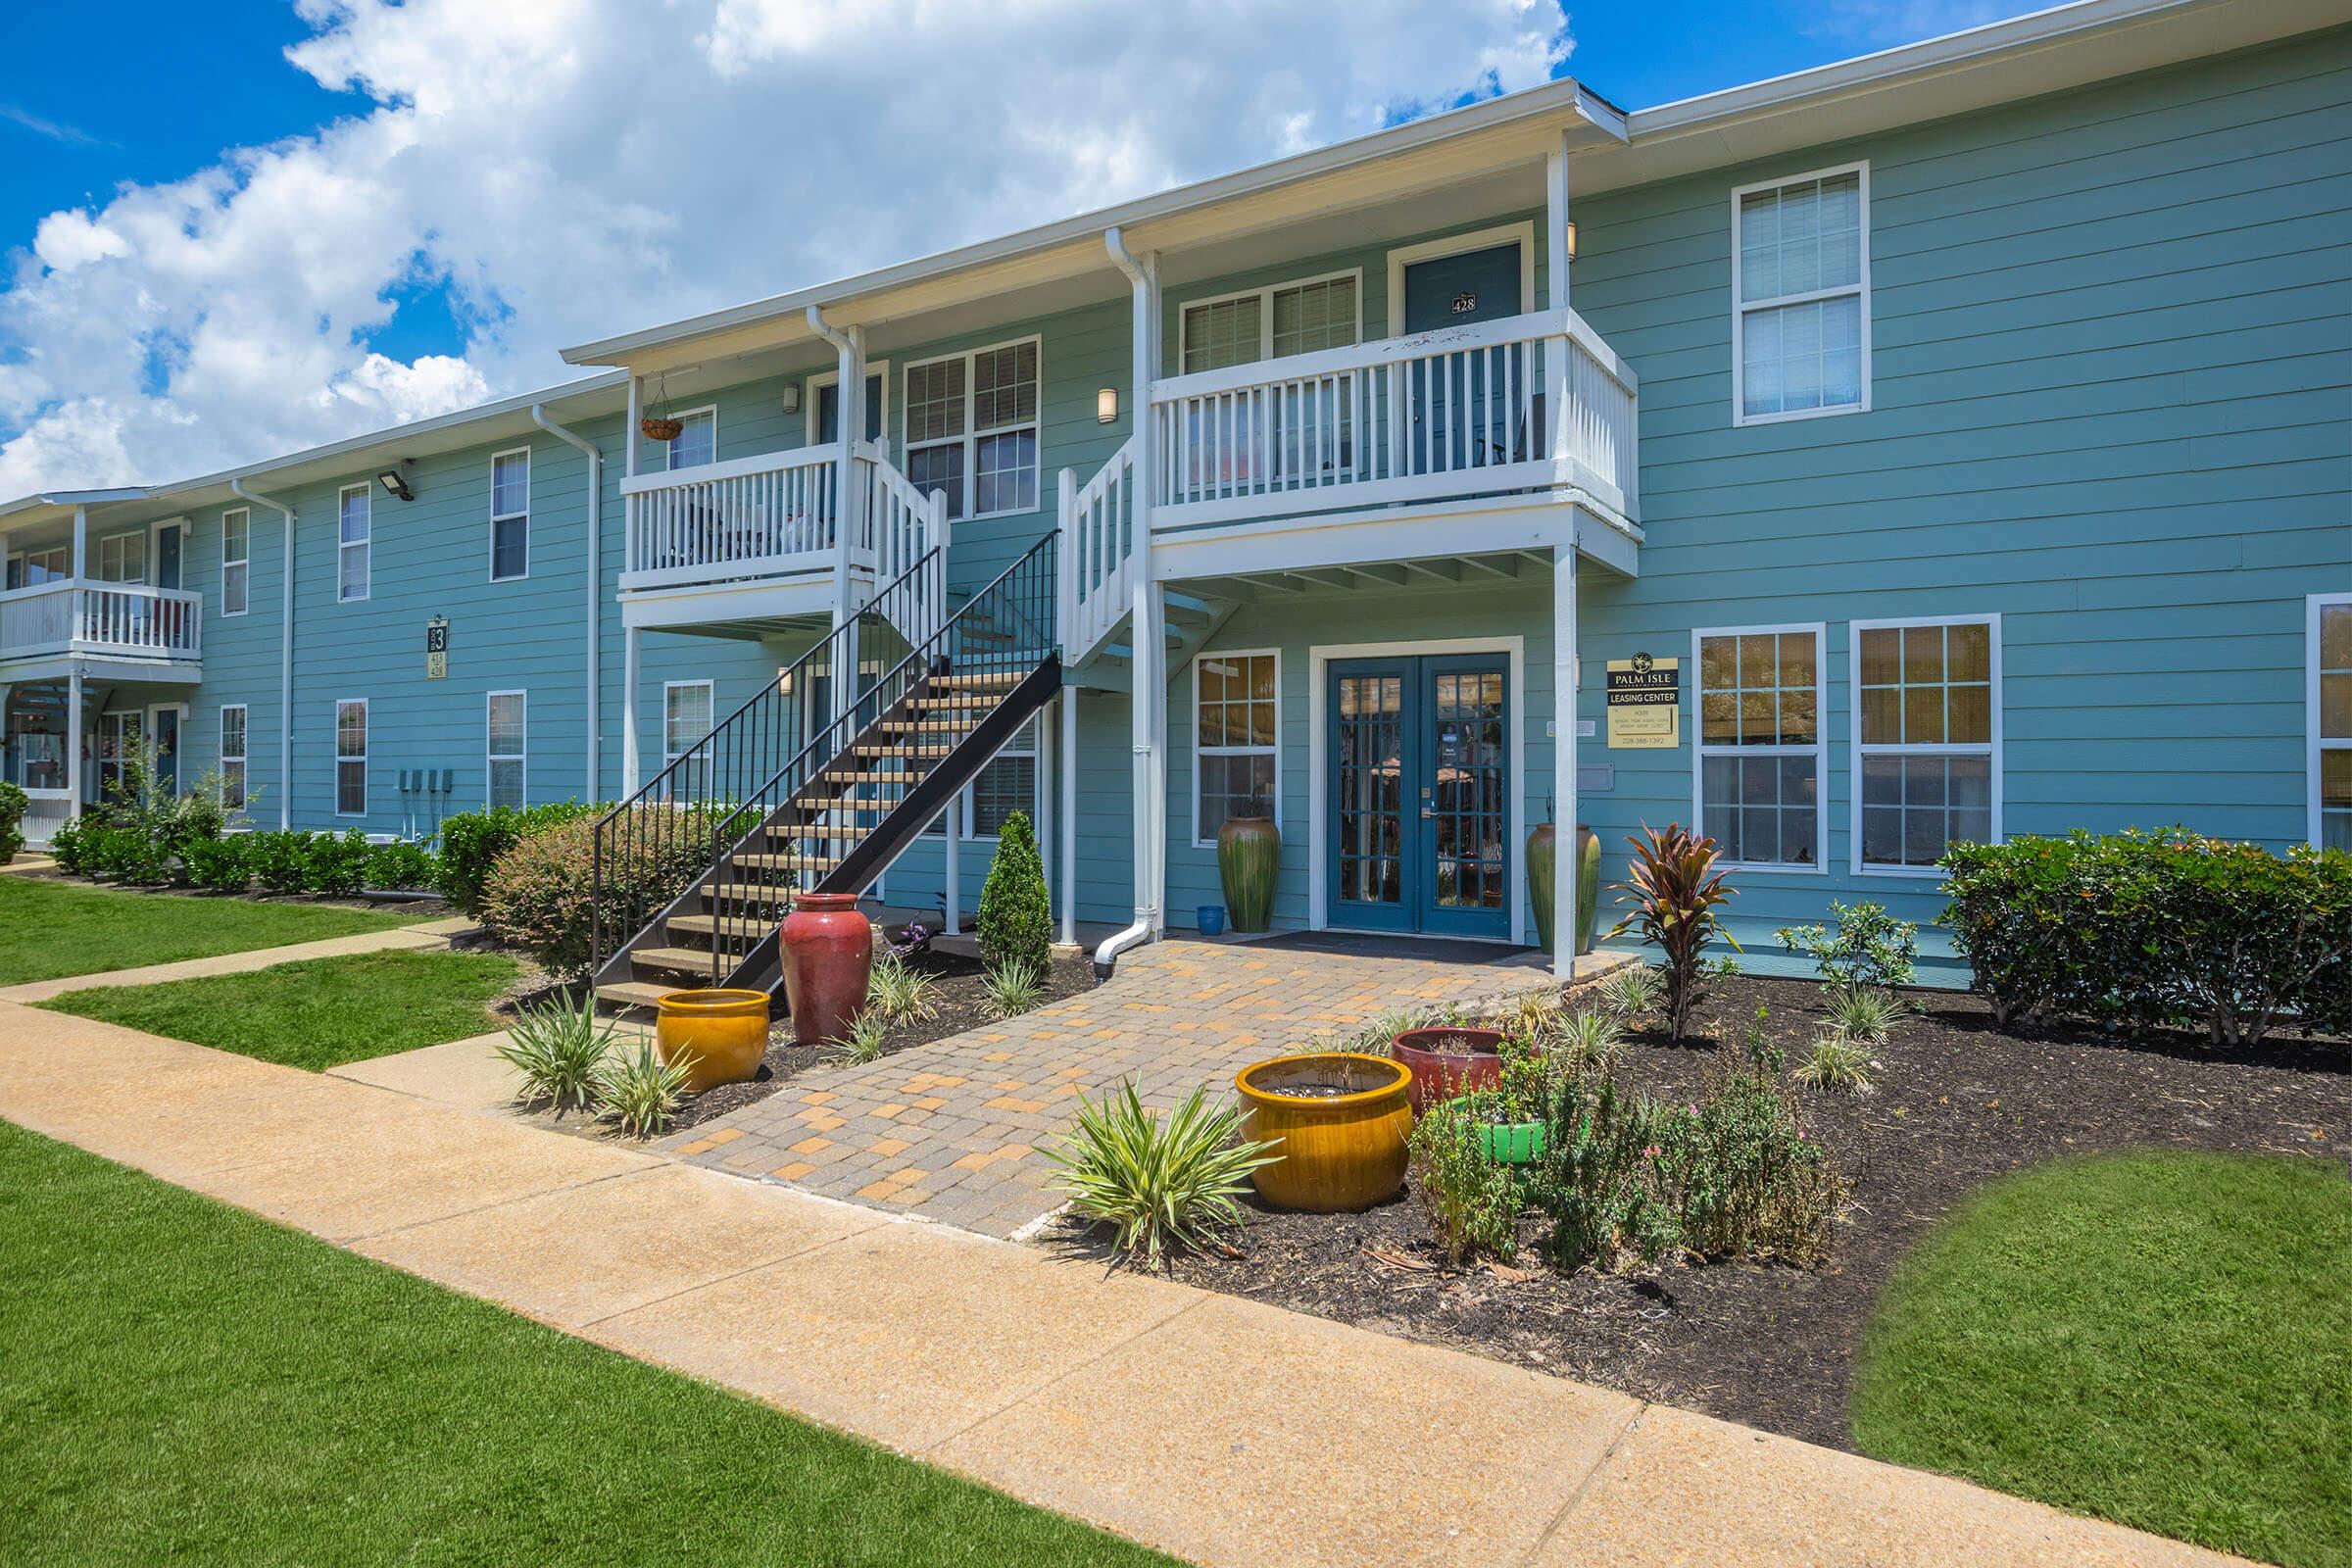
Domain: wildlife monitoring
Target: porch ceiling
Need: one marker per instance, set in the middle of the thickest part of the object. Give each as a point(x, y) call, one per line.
point(1451, 572)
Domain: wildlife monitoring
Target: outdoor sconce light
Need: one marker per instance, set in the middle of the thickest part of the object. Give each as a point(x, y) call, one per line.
point(395, 485)
point(1106, 406)
point(791, 397)
point(1572, 241)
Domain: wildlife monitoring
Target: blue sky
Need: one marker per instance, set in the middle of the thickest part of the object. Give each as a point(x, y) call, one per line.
point(252, 224)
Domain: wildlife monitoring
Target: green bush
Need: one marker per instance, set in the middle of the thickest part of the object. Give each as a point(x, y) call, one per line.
point(131, 855)
point(1870, 948)
point(471, 843)
point(1016, 922)
point(1597, 1182)
point(2148, 930)
point(14, 804)
point(336, 865)
point(1472, 1202)
point(540, 895)
point(1744, 1178)
point(220, 865)
point(73, 845)
point(402, 867)
point(280, 860)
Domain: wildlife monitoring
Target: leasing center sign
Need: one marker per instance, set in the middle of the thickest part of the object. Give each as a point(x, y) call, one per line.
point(1646, 703)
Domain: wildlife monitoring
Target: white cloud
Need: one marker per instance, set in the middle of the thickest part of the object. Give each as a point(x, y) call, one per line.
point(568, 169)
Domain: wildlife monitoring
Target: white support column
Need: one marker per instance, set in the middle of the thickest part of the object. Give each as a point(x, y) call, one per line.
point(1563, 759)
point(631, 684)
point(1069, 814)
point(1148, 689)
point(951, 899)
point(81, 544)
point(73, 726)
point(1557, 413)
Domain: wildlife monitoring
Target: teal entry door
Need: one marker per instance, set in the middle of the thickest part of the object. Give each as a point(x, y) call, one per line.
point(1420, 815)
point(1465, 405)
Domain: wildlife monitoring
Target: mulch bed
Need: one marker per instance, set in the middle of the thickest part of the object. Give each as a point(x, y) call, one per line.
point(1957, 1102)
point(961, 1007)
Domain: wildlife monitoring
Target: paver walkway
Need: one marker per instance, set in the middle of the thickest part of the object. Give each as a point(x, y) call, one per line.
point(431, 934)
point(1220, 1429)
point(950, 1130)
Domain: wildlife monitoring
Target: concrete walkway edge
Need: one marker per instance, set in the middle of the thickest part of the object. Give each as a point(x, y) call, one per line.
point(428, 934)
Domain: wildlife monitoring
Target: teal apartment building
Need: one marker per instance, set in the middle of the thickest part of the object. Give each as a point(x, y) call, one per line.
point(1951, 443)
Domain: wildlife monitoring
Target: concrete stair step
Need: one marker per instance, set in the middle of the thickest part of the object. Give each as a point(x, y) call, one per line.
point(683, 962)
point(627, 994)
point(708, 926)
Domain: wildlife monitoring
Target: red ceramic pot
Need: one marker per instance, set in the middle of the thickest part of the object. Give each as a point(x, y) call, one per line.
point(1448, 1059)
point(828, 958)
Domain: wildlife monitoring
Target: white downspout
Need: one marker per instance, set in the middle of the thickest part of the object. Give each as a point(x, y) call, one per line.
point(596, 584)
point(285, 659)
point(629, 636)
point(1149, 694)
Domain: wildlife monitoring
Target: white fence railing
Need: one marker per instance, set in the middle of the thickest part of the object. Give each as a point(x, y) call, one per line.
point(1098, 553)
point(1433, 416)
point(747, 518)
point(120, 621)
point(900, 526)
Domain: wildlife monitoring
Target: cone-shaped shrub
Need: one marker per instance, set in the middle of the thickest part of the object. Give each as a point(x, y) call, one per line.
point(1016, 923)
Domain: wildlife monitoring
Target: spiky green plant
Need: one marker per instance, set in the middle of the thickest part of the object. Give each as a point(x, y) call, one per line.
point(1838, 1062)
point(1588, 1042)
point(1630, 992)
point(1010, 989)
point(1861, 1013)
point(557, 1048)
point(640, 1093)
point(901, 993)
point(1677, 895)
point(1159, 1181)
point(863, 1042)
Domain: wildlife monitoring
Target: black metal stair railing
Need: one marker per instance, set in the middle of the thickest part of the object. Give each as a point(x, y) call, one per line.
point(669, 837)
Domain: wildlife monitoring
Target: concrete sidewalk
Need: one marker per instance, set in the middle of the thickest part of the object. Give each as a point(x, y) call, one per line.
point(429, 934)
point(1220, 1429)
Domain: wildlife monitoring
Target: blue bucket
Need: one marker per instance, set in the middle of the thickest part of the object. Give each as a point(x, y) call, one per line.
point(1210, 917)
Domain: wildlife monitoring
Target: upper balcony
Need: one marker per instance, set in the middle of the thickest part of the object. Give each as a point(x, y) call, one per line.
point(45, 627)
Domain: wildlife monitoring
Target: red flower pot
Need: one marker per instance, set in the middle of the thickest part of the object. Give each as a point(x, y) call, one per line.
point(1448, 1059)
point(828, 958)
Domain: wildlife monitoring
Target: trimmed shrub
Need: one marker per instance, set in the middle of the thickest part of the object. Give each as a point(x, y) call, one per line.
point(280, 860)
point(540, 895)
point(14, 804)
point(131, 855)
point(402, 867)
point(2147, 930)
point(71, 846)
point(220, 865)
point(1016, 922)
point(471, 843)
point(336, 865)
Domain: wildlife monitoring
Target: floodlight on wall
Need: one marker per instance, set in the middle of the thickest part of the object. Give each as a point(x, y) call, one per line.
point(395, 485)
point(791, 397)
point(1106, 406)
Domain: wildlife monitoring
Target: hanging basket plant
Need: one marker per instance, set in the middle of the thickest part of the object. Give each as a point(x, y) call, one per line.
point(662, 427)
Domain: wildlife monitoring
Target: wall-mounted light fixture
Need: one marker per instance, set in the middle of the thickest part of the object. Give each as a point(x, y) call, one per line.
point(1106, 406)
point(791, 397)
point(395, 485)
point(1572, 241)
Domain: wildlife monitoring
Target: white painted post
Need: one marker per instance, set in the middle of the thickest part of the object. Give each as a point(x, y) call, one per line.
point(630, 685)
point(74, 721)
point(1563, 757)
point(1148, 689)
point(1556, 348)
point(81, 544)
point(954, 899)
point(1069, 814)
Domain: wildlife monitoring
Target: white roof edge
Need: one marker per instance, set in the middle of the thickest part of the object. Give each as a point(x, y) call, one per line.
point(1552, 97)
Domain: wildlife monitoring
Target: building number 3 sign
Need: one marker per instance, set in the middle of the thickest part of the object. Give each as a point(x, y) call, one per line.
point(436, 648)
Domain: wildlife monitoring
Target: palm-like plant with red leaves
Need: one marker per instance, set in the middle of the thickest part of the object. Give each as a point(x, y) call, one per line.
point(1675, 890)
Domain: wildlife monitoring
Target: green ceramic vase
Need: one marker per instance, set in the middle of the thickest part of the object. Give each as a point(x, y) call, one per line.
point(1542, 875)
point(1248, 854)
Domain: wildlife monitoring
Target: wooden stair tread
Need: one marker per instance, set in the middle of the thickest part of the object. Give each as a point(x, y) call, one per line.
point(675, 961)
point(732, 925)
point(632, 993)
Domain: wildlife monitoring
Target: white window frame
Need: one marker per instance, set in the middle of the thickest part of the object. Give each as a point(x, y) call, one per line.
point(222, 756)
point(1202, 752)
point(242, 564)
point(971, 437)
point(669, 448)
point(21, 559)
point(1853, 687)
point(367, 739)
point(1264, 295)
point(2315, 606)
point(111, 731)
point(365, 545)
point(1819, 751)
point(669, 686)
point(105, 571)
point(826, 378)
point(1023, 742)
point(1741, 306)
point(492, 755)
point(525, 515)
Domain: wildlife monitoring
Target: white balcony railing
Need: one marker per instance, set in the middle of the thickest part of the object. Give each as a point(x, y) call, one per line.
point(765, 516)
point(1433, 416)
point(1098, 553)
point(115, 620)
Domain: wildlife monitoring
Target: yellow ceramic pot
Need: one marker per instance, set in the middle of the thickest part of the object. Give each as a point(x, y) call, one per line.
point(1343, 1118)
point(725, 1033)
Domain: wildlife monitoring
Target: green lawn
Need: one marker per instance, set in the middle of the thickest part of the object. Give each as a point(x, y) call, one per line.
point(183, 1382)
point(320, 1013)
point(2162, 1338)
point(49, 930)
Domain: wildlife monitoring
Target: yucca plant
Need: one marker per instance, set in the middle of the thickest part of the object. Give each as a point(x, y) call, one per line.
point(1838, 1062)
point(1161, 1182)
point(901, 993)
point(1010, 989)
point(556, 1048)
point(640, 1093)
point(1630, 992)
point(1862, 1015)
point(1676, 892)
point(863, 1042)
point(1588, 1042)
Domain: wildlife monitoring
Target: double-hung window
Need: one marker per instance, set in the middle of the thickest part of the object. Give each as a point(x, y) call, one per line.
point(354, 534)
point(1268, 323)
point(1312, 423)
point(123, 557)
point(1236, 726)
point(2331, 665)
point(237, 561)
point(507, 721)
point(1759, 745)
point(119, 737)
point(1007, 784)
point(233, 756)
point(696, 443)
point(1927, 739)
point(1801, 296)
point(36, 566)
point(686, 717)
point(510, 516)
point(972, 428)
point(351, 758)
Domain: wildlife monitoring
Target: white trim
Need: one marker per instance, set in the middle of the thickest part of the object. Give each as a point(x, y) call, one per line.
point(823, 378)
point(710, 686)
point(63, 551)
point(497, 516)
point(98, 555)
point(492, 757)
point(245, 561)
point(1319, 658)
point(242, 757)
point(1819, 751)
point(1201, 751)
point(155, 549)
point(1741, 306)
point(669, 448)
point(2315, 742)
point(1477, 239)
point(109, 718)
point(344, 547)
point(1853, 690)
point(179, 739)
point(367, 740)
point(1264, 294)
point(971, 435)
